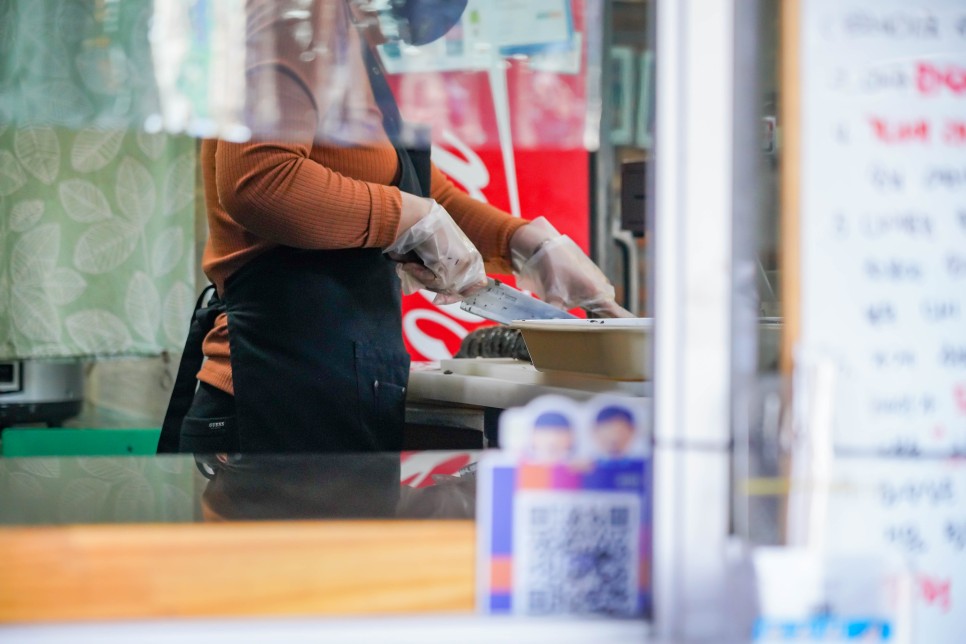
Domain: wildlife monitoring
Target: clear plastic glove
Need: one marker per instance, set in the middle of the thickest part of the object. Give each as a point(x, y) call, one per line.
point(553, 266)
point(449, 263)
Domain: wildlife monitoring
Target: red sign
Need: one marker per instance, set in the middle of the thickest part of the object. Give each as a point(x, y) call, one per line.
point(512, 137)
point(553, 185)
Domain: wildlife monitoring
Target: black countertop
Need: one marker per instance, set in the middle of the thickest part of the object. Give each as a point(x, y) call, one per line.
point(189, 489)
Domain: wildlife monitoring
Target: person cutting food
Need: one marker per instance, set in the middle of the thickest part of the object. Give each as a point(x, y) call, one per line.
point(312, 223)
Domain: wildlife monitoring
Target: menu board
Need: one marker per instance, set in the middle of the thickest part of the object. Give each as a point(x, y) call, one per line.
point(915, 511)
point(882, 217)
point(875, 173)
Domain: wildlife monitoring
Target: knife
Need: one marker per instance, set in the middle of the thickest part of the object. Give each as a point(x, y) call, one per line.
point(505, 304)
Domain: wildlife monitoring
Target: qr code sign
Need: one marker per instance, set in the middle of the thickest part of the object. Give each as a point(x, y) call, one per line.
point(576, 553)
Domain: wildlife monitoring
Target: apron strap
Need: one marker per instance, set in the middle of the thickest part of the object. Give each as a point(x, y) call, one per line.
point(391, 118)
point(202, 321)
point(414, 167)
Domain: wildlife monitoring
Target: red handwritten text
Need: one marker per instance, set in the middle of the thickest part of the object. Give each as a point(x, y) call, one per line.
point(932, 79)
point(955, 132)
point(935, 592)
point(900, 132)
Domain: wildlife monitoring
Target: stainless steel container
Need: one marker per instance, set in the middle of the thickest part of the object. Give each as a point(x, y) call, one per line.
point(40, 391)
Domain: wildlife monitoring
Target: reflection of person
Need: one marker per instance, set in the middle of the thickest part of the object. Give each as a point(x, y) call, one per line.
point(552, 438)
point(300, 486)
point(309, 223)
point(614, 431)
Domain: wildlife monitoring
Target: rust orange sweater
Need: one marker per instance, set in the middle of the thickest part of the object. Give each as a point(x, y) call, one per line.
point(309, 194)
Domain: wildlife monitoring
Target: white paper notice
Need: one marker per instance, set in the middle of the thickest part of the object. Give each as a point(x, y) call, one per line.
point(527, 26)
point(883, 212)
point(914, 509)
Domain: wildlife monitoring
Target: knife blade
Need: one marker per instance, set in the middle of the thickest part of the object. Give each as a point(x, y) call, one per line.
point(505, 304)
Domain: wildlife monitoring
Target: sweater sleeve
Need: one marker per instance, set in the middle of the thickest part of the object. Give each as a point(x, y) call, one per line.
point(489, 228)
point(275, 190)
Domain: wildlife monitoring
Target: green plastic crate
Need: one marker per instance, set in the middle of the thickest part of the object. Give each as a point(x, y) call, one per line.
point(59, 441)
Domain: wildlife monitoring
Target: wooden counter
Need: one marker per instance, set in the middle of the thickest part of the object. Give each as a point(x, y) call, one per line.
point(266, 568)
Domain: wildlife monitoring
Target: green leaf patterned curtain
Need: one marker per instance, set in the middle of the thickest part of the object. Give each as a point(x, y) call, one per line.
point(76, 63)
point(96, 216)
point(96, 242)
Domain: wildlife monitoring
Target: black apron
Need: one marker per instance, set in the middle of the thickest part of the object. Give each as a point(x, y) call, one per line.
point(315, 337)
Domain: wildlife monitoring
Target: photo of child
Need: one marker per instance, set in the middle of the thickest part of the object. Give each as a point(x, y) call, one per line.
point(555, 429)
point(614, 432)
point(552, 438)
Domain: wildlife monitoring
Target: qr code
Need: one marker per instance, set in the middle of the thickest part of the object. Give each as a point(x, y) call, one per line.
point(576, 553)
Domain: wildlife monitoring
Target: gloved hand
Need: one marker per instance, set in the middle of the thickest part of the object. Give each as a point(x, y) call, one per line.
point(449, 263)
point(553, 266)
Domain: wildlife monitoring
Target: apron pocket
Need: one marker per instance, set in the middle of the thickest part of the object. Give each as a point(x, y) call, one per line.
point(380, 377)
point(209, 435)
point(390, 396)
